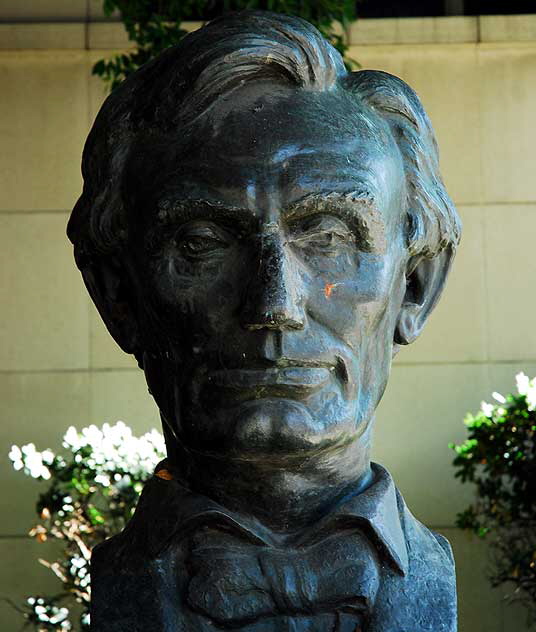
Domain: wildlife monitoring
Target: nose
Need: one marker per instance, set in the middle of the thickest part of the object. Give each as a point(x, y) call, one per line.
point(273, 295)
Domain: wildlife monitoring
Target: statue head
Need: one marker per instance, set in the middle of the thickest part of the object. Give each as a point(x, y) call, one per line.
point(263, 230)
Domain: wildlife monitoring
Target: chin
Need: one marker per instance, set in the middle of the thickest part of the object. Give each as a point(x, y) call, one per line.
point(269, 430)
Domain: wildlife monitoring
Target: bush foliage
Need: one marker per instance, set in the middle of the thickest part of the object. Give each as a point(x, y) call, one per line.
point(499, 458)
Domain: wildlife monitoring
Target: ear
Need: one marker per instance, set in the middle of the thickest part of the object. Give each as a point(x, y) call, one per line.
point(106, 282)
point(425, 281)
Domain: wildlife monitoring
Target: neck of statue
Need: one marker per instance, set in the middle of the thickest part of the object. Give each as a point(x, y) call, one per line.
point(286, 496)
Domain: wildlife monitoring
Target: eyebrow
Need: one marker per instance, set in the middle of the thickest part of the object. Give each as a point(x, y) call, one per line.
point(358, 208)
point(189, 208)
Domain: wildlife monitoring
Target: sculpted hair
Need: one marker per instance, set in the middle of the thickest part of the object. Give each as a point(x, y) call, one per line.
point(434, 223)
point(170, 93)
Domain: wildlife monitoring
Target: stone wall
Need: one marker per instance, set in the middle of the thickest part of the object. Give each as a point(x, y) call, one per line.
point(58, 366)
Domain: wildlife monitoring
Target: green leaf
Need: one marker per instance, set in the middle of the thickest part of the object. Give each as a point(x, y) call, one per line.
point(95, 516)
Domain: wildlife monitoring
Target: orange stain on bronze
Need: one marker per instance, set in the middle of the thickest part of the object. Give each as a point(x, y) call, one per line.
point(165, 475)
point(328, 289)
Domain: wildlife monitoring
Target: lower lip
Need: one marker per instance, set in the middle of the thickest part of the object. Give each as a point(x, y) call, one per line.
point(269, 381)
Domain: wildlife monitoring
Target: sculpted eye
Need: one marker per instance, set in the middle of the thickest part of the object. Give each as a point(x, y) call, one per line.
point(324, 234)
point(197, 242)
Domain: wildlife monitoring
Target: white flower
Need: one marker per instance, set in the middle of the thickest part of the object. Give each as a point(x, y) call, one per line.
point(33, 462)
point(498, 397)
point(112, 448)
point(118, 449)
point(60, 616)
point(102, 479)
point(16, 456)
point(157, 440)
point(47, 456)
point(71, 439)
point(522, 383)
point(528, 388)
point(45, 473)
point(92, 436)
point(78, 562)
point(487, 409)
point(531, 396)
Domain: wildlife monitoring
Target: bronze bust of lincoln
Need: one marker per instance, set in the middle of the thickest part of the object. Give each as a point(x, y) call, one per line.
point(263, 230)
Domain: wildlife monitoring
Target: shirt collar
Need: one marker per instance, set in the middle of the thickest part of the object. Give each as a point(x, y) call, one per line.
point(380, 507)
point(167, 509)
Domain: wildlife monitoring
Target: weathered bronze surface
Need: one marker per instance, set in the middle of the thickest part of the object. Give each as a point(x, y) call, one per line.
point(263, 230)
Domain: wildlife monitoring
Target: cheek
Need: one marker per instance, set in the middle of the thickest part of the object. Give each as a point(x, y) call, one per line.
point(193, 302)
point(353, 299)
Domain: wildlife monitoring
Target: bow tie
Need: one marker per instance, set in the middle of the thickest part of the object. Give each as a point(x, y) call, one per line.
point(234, 582)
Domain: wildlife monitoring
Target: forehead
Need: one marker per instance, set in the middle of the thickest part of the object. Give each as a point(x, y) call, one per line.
point(268, 144)
point(262, 118)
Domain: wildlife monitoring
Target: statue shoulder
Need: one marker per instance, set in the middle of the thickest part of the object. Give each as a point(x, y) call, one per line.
point(422, 541)
point(106, 557)
point(445, 545)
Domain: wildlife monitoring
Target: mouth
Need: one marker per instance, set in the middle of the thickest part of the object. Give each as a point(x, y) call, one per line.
point(289, 381)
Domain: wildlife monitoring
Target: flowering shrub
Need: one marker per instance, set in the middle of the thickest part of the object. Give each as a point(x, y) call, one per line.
point(93, 491)
point(499, 457)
